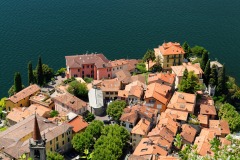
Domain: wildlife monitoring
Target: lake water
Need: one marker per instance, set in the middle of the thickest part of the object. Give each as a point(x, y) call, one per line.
point(117, 28)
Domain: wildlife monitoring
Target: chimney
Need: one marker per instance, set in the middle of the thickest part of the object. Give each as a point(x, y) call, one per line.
point(143, 120)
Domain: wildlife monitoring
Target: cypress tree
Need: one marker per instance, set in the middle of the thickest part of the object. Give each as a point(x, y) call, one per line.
point(213, 76)
point(185, 74)
point(149, 56)
point(39, 72)
point(30, 73)
point(17, 82)
point(204, 60)
point(207, 72)
point(186, 49)
point(221, 87)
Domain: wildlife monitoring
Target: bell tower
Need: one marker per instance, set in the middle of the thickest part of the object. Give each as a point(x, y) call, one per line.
point(37, 144)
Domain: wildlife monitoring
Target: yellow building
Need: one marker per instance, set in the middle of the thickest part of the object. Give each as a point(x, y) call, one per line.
point(21, 99)
point(15, 140)
point(170, 54)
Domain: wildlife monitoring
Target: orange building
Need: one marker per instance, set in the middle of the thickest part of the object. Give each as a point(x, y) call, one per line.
point(157, 96)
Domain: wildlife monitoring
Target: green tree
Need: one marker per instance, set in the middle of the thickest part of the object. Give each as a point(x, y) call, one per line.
point(117, 131)
point(82, 141)
point(3, 103)
point(178, 141)
point(204, 60)
point(221, 87)
point(149, 56)
point(187, 49)
point(215, 144)
point(17, 82)
point(95, 128)
point(88, 80)
point(39, 69)
point(198, 51)
point(88, 155)
point(30, 73)
point(157, 67)
point(107, 147)
point(89, 117)
point(54, 113)
point(115, 109)
point(48, 73)
point(141, 67)
point(191, 84)
point(61, 71)
point(207, 72)
point(213, 76)
point(54, 156)
point(185, 74)
point(78, 89)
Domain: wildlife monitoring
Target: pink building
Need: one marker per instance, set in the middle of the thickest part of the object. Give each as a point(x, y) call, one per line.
point(95, 66)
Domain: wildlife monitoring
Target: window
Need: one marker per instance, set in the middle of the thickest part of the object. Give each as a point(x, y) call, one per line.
point(62, 142)
point(57, 139)
point(87, 66)
point(107, 92)
point(57, 146)
point(83, 67)
point(51, 142)
point(167, 65)
point(124, 124)
point(159, 106)
point(78, 70)
point(91, 66)
point(63, 135)
point(36, 154)
point(152, 101)
point(68, 139)
point(82, 72)
point(108, 75)
point(120, 67)
point(130, 126)
point(50, 149)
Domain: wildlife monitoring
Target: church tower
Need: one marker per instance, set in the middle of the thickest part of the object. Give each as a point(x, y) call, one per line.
point(37, 144)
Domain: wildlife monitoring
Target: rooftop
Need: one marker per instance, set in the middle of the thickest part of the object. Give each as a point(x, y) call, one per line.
point(142, 128)
point(78, 124)
point(26, 92)
point(169, 48)
point(77, 61)
point(165, 77)
point(207, 109)
point(188, 133)
point(70, 101)
point(178, 70)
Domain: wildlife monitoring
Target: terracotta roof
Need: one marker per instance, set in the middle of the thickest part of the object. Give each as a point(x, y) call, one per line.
point(78, 124)
point(182, 101)
point(165, 77)
point(129, 117)
point(124, 76)
point(203, 119)
point(18, 114)
point(170, 124)
point(163, 132)
point(147, 148)
point(169, 48)
point(99, 60)
point(167, 158)
point(118, 62)
point(202, 142)
point(188, 133)
point(142, 128)
point(219, 126)
point(158, 91)
point(70, 101)
point(207, 110)
point(139, 77)
point(26, 92)
point(12, 138)
point(180, 115)
point(134, 157)
point(133, 89)
point(178, 70)
point(110, 85)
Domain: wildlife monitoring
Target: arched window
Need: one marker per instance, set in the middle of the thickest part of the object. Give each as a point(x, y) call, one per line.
point(36, 154)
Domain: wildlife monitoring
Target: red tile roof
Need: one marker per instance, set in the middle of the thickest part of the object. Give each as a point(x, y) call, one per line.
point(170, 48)
point(99, 60)
point(24, 93)
point(78, 124)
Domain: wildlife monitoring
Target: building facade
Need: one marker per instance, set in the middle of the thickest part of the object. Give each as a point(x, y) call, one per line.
point(170, 54)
